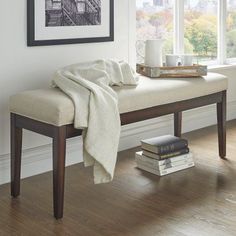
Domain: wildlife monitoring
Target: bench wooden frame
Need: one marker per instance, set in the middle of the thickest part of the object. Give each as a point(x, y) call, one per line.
point(59, 134)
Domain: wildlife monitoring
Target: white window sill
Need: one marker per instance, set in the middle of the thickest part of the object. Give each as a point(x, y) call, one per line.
point(221, 67)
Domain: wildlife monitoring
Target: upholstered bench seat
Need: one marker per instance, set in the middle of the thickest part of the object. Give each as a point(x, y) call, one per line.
point(52, 106)
point(51, 113)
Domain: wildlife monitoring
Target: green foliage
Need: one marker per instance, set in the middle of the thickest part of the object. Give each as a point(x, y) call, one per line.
point(231, 21)
point(202, 34)
point(231, 44)
point(168, 46)
point(188, 47)
point(200, 30)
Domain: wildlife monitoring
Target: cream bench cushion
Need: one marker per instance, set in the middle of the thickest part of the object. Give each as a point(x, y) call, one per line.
point(54, 107)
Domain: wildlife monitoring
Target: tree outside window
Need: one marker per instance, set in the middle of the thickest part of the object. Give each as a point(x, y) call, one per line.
point(231, 29)
point(200, 21)
point(154, 21)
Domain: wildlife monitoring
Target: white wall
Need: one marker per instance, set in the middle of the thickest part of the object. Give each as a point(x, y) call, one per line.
point(23, 68)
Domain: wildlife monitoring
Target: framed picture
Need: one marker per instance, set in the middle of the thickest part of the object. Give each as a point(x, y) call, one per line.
point(54, 22)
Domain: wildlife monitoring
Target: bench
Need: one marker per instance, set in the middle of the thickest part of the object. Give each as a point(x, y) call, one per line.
point(51, 113)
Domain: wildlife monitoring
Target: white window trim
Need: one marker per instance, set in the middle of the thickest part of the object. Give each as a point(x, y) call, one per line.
point(179, 30)
point(221, 44)
point(231, 61)
point(178, 27)
point(132, 33)
point(221, 32)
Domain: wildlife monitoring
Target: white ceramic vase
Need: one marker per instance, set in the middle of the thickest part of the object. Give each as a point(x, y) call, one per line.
point(153, 52)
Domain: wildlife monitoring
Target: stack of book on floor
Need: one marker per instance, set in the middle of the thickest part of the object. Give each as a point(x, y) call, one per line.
point(164, 155)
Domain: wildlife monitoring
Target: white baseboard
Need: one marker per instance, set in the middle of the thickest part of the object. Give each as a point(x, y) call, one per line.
point(39, 160)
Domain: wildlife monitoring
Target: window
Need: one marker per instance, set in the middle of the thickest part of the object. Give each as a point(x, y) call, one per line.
point(200, 29)
point(155, 20)
point(231, 29)
point(204, 28)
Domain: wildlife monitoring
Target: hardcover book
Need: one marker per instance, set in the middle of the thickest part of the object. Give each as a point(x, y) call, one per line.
point(144, 161)
point(139, 157)
point(164, 144)
point(167, 155)
point(165, 166)
point(166, 171)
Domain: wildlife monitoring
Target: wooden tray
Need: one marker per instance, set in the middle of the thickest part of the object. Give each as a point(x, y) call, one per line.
point(172, 72)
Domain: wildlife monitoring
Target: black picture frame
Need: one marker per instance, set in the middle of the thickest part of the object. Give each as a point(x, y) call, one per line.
point(31, 41)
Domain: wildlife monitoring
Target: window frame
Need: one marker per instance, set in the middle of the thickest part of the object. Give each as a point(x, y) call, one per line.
point(229, 60)
point(221, 31)
point(178, 32)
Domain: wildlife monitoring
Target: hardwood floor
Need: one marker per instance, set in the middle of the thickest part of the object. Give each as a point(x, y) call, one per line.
point(199, 201)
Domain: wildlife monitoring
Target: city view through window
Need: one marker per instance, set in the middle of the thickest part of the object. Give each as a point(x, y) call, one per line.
point(155, 20)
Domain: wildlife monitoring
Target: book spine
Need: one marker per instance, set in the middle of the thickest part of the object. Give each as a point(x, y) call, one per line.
point(166, 165)
point(166, 171)
point(172, 147)
point(165, 156)
point(148, 169)
point(176, 158)
point(174, 154)
point(156, 162)
point(176, 168)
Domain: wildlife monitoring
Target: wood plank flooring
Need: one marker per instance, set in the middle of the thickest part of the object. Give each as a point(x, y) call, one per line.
point(199, 201)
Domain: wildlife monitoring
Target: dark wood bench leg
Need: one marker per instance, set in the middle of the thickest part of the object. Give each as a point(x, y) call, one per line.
point(16, 149)
point(221, 120)
point(178, 124)
point(59, 152)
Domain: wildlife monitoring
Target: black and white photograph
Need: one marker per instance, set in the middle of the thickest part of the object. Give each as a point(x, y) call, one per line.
point(72, 12)
point(55, 22)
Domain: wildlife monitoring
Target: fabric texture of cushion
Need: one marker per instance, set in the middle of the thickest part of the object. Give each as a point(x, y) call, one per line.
point(54, 107)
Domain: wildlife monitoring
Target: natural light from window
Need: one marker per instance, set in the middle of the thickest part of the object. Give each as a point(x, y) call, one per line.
point(190, 27)
point(200, 29)
point(155, 21)
point(231, 29)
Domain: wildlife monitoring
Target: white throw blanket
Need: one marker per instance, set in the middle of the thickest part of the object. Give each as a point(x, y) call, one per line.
point(96, 109)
